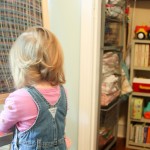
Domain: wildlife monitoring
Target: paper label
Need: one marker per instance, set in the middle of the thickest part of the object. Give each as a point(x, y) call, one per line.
point(53, 111)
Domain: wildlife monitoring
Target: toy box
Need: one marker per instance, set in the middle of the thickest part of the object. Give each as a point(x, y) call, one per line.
point(141, 85)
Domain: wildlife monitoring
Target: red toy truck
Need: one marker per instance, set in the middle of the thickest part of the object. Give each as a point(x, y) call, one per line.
point(142, 32)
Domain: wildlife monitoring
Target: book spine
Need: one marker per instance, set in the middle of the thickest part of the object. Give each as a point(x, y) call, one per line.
point(142, 55)
point(146, 56)
point(145, 134)
point(136, 133)
point(135, 54)
point(131, 132)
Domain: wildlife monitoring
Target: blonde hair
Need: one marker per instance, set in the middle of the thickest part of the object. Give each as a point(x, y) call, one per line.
point(35, 56)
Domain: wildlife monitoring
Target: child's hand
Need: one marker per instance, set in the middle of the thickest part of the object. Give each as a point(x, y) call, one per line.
point(68, 142)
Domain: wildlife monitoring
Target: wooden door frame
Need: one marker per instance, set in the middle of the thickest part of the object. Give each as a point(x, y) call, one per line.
point(89, 74)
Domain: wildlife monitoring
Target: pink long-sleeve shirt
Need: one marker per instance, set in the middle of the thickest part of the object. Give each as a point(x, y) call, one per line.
point(20, 109)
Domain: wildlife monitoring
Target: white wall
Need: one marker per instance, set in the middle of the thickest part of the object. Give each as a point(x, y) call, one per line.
point(65, 24)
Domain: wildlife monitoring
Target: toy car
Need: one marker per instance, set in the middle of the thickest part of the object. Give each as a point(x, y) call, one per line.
point(142, 32)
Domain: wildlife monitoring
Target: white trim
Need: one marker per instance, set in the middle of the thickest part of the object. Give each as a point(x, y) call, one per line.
point(89, 74)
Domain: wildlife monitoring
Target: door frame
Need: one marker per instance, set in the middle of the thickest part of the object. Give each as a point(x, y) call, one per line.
point(89, 74)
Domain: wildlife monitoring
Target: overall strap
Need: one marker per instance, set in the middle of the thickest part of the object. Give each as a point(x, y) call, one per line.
point(38, 98)
point(41, 102)
point(63, 96)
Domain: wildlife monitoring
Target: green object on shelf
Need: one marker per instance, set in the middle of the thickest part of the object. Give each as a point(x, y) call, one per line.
point(147, 111)
point(147, 108)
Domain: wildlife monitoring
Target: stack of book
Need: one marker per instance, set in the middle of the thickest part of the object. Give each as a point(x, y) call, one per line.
point(141, 51)
point(139, 133)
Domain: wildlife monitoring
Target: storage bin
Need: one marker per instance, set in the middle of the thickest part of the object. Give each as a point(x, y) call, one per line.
point(108, 129)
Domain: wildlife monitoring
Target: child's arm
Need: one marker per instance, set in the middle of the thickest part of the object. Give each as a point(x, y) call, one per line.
point(8, 116)
point(67, 140)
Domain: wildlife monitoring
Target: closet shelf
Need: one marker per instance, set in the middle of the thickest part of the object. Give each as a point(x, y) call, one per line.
point(141, 41)
point(112, 48)
point(141, 68)
point(142, 120)
point(116, 20)
point(140, 145)
point(141, 93)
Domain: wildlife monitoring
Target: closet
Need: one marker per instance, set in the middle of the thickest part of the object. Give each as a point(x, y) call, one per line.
point(112, 44)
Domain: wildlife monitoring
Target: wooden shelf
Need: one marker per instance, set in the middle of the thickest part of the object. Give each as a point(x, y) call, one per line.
point(137, 71)
point(141, 41)
point(140, 145)
point(142, 68)
point(141, 94)
point(3, 97)
point(142, 120)
point(112, 48)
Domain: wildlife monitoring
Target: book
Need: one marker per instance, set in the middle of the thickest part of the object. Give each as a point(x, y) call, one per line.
point(132, 132)
point(141, 133)
point(149, 54)
point(142, 55)
point(148, 135)
point(137, 108)
point(136, 133)
point(145, 134)
point(136, 54)
point(146, 56)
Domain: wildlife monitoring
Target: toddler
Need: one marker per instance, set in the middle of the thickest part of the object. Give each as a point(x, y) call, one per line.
point(38, 107)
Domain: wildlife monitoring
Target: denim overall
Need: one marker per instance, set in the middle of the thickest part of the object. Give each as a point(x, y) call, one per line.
point(47, 133)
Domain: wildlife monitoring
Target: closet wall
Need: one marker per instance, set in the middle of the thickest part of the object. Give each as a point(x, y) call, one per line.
point(65, 23)
point(139, 15)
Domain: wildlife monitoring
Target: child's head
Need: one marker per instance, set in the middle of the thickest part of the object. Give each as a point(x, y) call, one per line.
point(36, 56)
